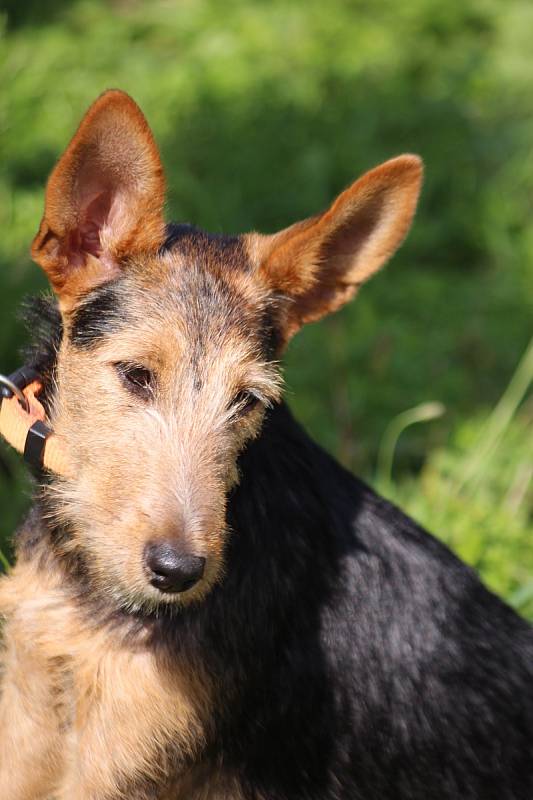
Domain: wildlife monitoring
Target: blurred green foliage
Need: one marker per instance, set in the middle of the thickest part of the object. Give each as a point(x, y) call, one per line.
point(264, 111)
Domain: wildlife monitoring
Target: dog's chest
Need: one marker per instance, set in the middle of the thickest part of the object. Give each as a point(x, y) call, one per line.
point(202, 782)
point(124, 716)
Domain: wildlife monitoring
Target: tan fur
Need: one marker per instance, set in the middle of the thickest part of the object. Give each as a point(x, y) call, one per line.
point(112, 158)
point(182, 440)
point(90, 710)
point(31, 712)
point(84, 714)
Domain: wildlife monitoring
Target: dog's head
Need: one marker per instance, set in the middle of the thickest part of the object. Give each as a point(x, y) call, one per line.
point(171, 339)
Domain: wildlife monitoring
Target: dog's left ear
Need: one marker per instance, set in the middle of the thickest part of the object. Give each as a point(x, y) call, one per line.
point(104, 199)
point(319, 264)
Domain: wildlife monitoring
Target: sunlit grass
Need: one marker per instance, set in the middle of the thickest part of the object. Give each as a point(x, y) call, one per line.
point(474, 493)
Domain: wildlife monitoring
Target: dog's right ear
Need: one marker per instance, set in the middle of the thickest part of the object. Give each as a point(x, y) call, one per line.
point(104, 199)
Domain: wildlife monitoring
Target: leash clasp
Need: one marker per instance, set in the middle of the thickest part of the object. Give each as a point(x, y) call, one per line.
point(22, 422)
point(14, 384)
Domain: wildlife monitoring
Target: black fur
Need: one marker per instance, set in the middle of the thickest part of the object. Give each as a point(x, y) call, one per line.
point(43, 321)
point(354, 656)
point(190, 239)
point(97, 315)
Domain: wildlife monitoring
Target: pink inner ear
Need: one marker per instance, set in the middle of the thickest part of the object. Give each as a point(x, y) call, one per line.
point(86, 238)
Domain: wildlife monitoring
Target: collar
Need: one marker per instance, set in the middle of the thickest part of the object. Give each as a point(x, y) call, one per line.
point(22, 421)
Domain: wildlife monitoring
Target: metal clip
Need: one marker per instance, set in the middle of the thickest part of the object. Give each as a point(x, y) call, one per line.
point(8, 388)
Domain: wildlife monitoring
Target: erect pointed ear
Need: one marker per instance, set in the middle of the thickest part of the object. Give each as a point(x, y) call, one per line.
point(319, 264)
point(104, 199)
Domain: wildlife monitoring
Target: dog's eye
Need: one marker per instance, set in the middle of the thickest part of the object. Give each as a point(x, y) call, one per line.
point(136, 379)
point(244, 402)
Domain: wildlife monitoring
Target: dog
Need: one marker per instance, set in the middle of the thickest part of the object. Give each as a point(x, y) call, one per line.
point(205, 605)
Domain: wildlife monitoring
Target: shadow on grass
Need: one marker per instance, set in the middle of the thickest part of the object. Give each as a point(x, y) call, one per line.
point(32, 13)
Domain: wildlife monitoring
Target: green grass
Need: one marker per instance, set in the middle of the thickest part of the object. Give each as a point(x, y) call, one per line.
point(263, 112)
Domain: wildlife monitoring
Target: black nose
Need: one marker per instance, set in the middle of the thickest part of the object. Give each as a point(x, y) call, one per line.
point(171, 571)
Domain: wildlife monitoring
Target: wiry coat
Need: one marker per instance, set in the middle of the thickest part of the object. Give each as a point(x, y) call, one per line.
point(347, 654)
point(331, 650)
